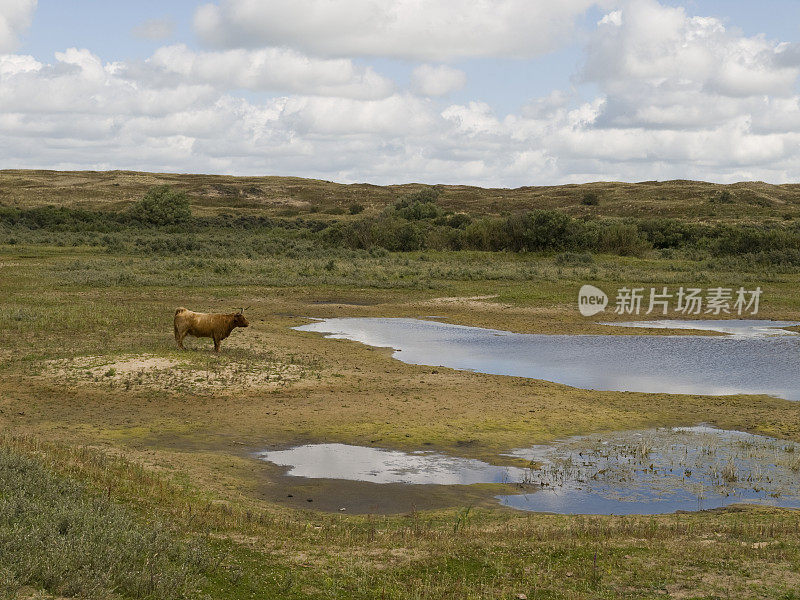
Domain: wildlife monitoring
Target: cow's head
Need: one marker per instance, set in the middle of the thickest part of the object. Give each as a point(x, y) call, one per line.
point(239, 319)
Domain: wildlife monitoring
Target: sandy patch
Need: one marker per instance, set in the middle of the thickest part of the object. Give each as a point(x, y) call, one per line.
point(102, 366)
point(173, 374)
point(475, 302)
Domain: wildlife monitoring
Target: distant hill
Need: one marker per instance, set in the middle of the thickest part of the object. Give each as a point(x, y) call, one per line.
point(292, 196)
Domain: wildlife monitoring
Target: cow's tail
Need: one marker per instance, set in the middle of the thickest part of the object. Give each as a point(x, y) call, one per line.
point(179, 310)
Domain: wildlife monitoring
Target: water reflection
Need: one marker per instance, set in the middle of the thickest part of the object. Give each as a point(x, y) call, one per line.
point(735, 327)
point(749, 362)
point(636, 472)
point(660, 471)
point(359, 463)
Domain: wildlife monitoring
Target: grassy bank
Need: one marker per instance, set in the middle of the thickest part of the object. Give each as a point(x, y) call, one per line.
point(59, 536)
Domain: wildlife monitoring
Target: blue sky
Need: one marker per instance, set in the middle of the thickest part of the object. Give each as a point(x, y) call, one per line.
point(104, 27)
point(531, 92)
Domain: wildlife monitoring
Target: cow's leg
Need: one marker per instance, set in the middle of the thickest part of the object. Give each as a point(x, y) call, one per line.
point(179, 335)
point(216, 344)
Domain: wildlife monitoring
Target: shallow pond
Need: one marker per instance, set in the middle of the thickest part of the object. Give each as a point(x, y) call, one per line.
point(660, 471)
point(646, 472)
point(758, 358)
point(359, 463)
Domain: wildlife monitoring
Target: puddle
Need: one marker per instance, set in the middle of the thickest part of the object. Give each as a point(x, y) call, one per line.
point(647, 472)
point(759, 358)
point(737, 327)
point(359, 463)
point(660, 471)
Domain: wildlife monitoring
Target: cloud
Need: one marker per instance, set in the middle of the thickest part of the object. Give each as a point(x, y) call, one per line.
point(79, 83)
point(434, 30)
point(15, 17)
point(473, 118)
point(396, 116)
point(154, 29)
point(268, 69)
point(661, 68)
point(437, 81)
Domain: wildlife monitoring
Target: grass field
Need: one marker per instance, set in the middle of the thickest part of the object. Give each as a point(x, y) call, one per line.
point(111, 424)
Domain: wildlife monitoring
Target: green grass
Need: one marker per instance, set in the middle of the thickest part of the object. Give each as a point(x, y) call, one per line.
point(58, 536)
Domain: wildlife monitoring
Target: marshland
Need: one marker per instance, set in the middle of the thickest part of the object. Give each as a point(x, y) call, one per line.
point(135, 452)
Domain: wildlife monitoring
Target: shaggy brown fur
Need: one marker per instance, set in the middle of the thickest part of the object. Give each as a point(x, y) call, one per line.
point(217, 326)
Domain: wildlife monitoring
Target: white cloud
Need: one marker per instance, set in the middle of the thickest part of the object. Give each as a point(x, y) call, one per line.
point(15, 17)
point(271, 69)
point(78, 82)
point(154, 29)
point(474, 118)
point(11, 64)
point(398, 115)
point(437, 81)
point(661, 68)
point(432, 30)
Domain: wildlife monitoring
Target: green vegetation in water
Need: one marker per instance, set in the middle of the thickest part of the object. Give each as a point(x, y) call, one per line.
point(661, 462)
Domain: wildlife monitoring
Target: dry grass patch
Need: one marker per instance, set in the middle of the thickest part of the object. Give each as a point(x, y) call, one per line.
point(197, 374)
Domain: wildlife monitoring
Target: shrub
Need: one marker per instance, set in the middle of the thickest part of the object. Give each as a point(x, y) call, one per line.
point(289, 212)
point(356, 208)
point(456, 221)
point(725, 197)
point(622, 239)
point(444, 238)
point(746, 240)
point(162, 206)
point(541, 230)
point(668, 233)
point(419, 211)
point(399, 236)
point(424, 196)
point(590, 199)
point(418, 205)
point(60, 218)
point(360, 234)
point(484, 234)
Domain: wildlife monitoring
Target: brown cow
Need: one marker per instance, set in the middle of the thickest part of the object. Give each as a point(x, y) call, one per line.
point(217, 326)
